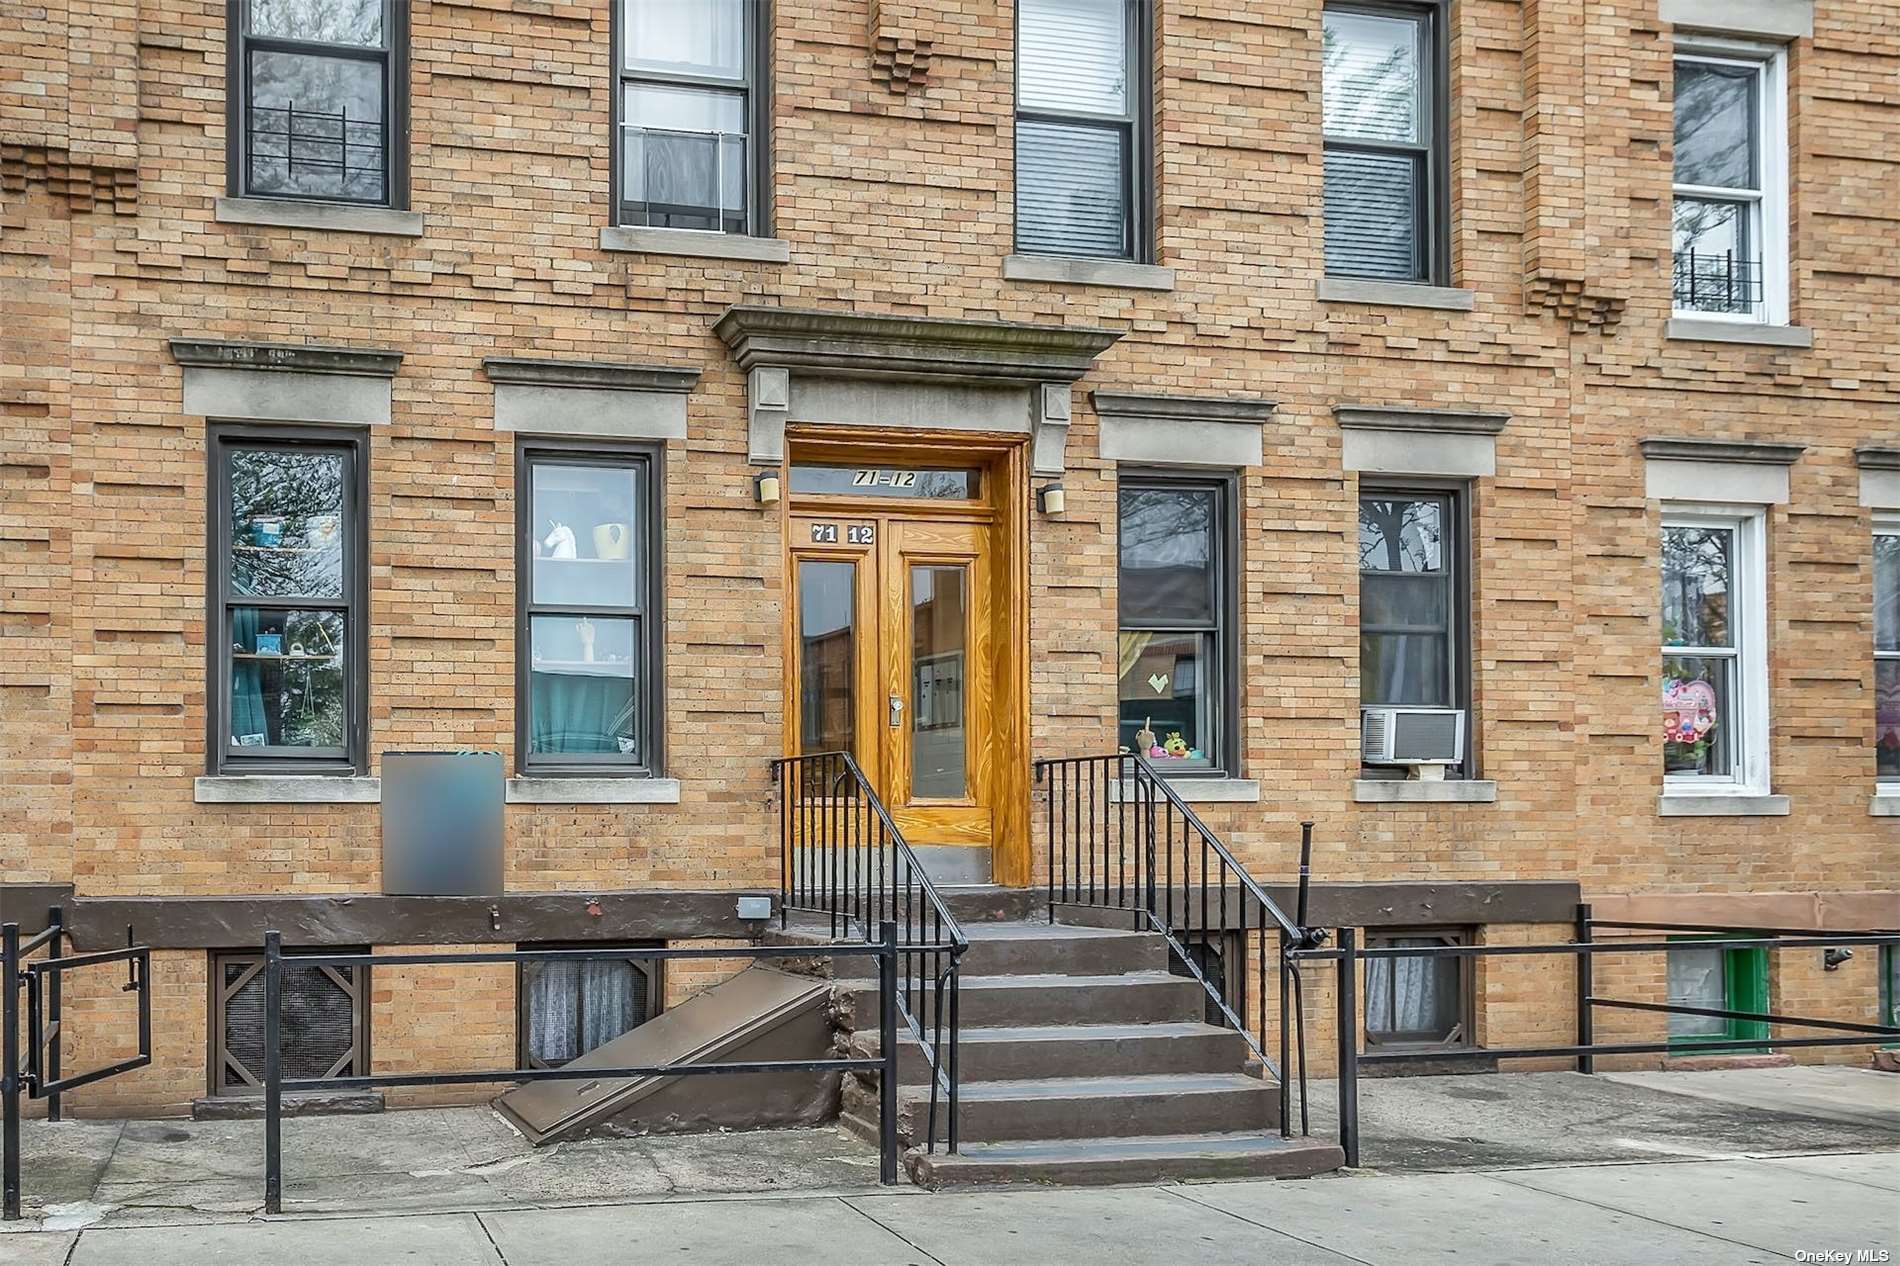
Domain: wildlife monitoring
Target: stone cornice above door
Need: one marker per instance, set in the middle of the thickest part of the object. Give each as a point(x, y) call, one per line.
point(853, 369)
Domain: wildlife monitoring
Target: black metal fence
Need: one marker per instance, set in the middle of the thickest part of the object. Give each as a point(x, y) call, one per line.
point(884, 949)
point(843, 858)
point(39, 1074)
point(1118, 837)
point(1347, 955)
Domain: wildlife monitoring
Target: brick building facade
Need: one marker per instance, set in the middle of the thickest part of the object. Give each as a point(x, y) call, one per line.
point(506, 286)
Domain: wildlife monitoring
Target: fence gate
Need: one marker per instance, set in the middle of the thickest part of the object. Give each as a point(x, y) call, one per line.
point(36, 1070)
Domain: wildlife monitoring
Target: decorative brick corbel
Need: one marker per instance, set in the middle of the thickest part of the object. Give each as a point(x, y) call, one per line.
point(84, 186)
point(1572, 299)
point(900, 50)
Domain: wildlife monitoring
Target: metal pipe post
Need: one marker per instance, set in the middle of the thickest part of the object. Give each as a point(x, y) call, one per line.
point(55, 1010)
point(1586, 1019)
point(1286, 1037)
point(887, 1048)
point(1306, 873)
point(273, 1074)
point(10, 1067)
point(1349, 1046)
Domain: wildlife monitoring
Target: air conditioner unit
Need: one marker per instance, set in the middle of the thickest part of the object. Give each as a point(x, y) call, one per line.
point(1411, 736)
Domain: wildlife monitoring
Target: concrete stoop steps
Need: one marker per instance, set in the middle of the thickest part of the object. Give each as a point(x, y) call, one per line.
point(1083, 1060)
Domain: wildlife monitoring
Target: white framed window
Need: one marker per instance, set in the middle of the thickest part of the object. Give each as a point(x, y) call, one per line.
point(1730, 206)
point(1887, 654)
point(1714, 650)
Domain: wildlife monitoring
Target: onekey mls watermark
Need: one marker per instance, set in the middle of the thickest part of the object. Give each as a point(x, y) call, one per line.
point(1843, 1256)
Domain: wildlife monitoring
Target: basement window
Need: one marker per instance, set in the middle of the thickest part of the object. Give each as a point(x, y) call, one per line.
point(1422, 999)
point(323, 1016)
point(568, 1008)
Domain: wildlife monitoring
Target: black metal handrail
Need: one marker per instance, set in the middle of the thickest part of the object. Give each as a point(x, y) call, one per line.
point(1119, 837)
point(882, 947)
point(1347, 955)
point(843, 856)
point(39, 1075)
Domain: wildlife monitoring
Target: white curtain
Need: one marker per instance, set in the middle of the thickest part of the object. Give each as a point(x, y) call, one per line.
point(574, 1007)
point(1402, 994)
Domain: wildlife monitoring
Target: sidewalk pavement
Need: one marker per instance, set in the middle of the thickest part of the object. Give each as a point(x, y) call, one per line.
point(1754, 1209)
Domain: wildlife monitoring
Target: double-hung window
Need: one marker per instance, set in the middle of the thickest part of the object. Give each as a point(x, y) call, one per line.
point(689, 114)
point(316, 97)
point(587, 694)
point(1176, 641)
point(1714, 663)
point(1730, 197)
point(1382, 106)
point(1887, 656)
point(287, 601)
point(1412, 600)
point(1081, 128)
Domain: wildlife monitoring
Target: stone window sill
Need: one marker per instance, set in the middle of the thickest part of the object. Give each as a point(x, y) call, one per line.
point(639, 240)
point(1885, 804)
point(331, 217)
point(1396, 294)
point(593, 791)
point(1704, 330)
point(286, 789)
point(1742, 805)
point(1201, 790)
point(1066, 271)
point(1413, 791)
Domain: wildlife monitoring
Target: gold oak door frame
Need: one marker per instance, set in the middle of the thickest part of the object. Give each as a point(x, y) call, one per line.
point(902, 635)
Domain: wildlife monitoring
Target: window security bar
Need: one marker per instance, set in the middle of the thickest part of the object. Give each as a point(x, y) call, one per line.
point(1717, 282)
point(327, 137)
point(672, 162)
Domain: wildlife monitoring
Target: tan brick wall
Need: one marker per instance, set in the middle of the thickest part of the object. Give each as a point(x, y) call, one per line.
point(113, 125)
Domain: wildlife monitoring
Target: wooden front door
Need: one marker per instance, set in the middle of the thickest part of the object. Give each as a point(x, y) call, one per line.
point(894, 647)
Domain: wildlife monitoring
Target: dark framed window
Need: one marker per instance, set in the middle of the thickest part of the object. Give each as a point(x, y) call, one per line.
point(1387, 204)
point(1720, 980)
point(1419, 1000)
point(690, 114)
point(1176, 640)
point(1083, 184)
point(323, 1016)
point(288, 600)
point(569, 1008)
point(1414, 599)
point(588, 648)
point(1887, 657)
point(318, 100)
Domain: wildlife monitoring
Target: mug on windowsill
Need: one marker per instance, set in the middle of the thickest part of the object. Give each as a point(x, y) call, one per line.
point(611, 540)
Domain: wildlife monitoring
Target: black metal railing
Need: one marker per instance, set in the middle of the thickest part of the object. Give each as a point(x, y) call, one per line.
point(1707, 281)
point(1585, 949)
point(883, 946)
point(39, 1074)
point(842, 857)
point(1119, 837)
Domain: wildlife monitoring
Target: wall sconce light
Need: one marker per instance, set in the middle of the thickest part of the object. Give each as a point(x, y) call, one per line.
point(765, 488)
point(1833, 957)
point(1050, 499)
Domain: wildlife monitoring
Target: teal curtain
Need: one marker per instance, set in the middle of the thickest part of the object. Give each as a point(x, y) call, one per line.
point(571, 713)
point(247, 679)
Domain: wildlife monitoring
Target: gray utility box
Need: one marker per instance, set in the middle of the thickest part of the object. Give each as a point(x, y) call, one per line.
point(442, 824)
